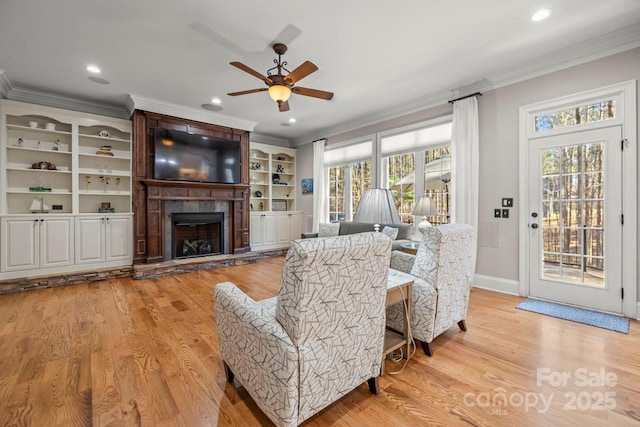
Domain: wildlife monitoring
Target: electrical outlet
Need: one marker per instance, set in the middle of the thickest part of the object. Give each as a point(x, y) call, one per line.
point(507, 202)
point(505, 213)
point(497, 213)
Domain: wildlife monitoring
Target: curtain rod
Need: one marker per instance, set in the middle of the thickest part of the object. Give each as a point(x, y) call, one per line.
point(464, 97)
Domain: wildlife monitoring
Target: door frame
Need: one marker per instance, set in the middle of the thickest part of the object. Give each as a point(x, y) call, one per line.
point(625, 95)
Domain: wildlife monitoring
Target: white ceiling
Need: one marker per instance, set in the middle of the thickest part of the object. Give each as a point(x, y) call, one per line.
point(380, 58)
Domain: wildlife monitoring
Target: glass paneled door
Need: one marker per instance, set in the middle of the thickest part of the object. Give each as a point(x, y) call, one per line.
point(575, 221)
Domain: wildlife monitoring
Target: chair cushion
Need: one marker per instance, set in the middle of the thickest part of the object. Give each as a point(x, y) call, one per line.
point(328, 229)
point(391, 232)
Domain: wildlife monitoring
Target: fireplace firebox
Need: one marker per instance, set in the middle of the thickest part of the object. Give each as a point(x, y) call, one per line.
point(197, 234)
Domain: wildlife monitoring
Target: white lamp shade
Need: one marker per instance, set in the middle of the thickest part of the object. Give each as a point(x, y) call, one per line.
point(425, 207)
point(279, 93)
point(377, 206)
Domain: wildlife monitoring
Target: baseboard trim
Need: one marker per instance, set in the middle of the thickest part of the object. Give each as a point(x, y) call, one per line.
point(638, 311)
point(497, 284)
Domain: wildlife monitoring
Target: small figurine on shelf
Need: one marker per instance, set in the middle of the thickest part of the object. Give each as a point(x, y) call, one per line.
point(87, 180)
point(261, 206)
point(118, 183)
point(56, 145)
point(38, 145)
point(280, 169)
point(20, 142)
point(103, 182)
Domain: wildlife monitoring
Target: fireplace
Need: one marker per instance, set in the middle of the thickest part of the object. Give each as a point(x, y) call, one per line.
point(197, 234)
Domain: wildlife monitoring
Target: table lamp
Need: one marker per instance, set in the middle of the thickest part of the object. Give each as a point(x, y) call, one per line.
point(377, 206)
point(424, 208)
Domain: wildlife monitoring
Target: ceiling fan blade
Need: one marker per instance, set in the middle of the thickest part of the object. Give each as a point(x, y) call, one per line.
point(283, 106)
point(251, 71)
point(312, 92)
point(244, 92)
point(301, 72)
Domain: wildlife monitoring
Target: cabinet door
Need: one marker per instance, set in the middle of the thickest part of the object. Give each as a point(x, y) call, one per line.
point(295, 226)
point(255, 229)
point(20, 243)
point(90, 243)
point(119, 240)
point(283, 234)
point(269, 228)
point(56, 242)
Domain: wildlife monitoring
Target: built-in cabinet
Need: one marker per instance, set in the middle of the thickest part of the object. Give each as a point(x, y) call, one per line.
point(57, 168)
point(103, 238)
point(33, 242)
point(274, 229)
point(274, 219)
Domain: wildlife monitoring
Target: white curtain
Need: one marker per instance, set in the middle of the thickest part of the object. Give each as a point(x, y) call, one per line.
point(465, 165)
point(320, 184)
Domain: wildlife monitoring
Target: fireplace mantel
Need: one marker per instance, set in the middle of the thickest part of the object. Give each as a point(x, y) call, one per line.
point(150, 194)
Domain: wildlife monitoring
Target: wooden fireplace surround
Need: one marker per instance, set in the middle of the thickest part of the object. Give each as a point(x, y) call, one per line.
point(150, 194)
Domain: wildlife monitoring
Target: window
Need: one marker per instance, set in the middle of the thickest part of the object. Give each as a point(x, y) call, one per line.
point(360, 181)
point(575, 116)
point(422, 151)
point(401, 183)
point(437, 182)
point(336, 193)
point(349, 167)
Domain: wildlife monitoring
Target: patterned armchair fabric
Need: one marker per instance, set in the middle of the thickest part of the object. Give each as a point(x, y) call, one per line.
point(442, 271)
point(321, 337)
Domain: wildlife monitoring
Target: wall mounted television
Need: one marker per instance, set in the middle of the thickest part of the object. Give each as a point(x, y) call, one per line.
point(182, 156)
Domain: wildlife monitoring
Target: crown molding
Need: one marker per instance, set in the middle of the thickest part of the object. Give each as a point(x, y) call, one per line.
point(66, 103)
point(270, 140)
point(5, 84)
point(137, 102)
point(589, 50)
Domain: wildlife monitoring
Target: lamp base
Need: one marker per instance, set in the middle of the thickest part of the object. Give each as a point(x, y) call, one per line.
point(424, 225)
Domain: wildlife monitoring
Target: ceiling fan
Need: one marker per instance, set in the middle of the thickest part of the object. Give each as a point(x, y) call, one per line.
point(281, 86)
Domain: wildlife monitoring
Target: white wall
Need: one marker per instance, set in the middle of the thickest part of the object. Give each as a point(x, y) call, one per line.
point(498, 114)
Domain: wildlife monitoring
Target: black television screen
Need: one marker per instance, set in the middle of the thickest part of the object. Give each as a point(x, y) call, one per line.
point(182, 156)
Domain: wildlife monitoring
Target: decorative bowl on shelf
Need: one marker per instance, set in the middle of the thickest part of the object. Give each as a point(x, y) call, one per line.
point(50, 126)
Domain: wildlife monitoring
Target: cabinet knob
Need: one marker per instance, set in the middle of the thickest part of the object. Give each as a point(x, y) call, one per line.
point(35, 220)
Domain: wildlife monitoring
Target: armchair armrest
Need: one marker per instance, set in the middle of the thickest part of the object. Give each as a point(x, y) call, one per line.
point(258, 350)
point(402, 261)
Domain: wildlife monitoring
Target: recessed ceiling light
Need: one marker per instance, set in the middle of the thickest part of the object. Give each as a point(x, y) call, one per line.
point(292, 120)
point(211, 107)
point(93, 69)
point(216, 101)
point(99, 80)
point(540, 15)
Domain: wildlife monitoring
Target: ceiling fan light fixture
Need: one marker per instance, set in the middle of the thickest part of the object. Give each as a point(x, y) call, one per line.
point(279, 93)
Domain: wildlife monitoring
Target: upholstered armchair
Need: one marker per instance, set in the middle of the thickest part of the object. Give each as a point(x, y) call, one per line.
point(321, 337)
point(442, 271)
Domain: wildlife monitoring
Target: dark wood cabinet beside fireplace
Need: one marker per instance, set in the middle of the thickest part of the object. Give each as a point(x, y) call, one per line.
point(150, 196)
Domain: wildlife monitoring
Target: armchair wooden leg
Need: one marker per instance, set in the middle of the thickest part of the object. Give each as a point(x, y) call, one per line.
point(374, 386)
point(462, 325)
point(228, 372)
point(427, 348)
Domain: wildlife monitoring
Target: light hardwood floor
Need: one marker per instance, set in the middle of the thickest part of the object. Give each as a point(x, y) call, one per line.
point(126, 352)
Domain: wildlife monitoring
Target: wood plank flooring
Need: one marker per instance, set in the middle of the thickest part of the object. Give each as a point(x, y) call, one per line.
point(127, 352)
